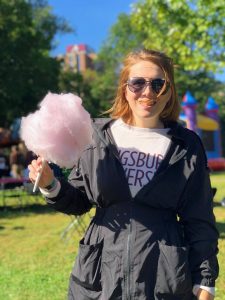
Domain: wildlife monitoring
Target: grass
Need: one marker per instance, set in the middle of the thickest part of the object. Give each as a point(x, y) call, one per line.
point(35, 261)
point(218, 181)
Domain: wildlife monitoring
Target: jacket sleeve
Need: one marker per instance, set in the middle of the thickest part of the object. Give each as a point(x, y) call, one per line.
point(196, 216)
point(74, 198)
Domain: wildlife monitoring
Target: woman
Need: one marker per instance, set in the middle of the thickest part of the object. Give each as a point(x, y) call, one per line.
point(153, 235)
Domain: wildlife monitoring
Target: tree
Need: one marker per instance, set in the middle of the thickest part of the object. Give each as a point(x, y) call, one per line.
point(27, 72)
point(122, 38)
point(190, 31)
point(81, 85)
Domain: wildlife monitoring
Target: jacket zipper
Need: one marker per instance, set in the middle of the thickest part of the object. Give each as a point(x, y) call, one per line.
point(127, 269)
point(128, 261)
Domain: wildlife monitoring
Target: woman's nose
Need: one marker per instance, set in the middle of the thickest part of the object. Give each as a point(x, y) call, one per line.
point(148, 90)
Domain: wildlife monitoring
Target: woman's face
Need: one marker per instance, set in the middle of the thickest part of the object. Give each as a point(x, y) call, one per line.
point(146, 107)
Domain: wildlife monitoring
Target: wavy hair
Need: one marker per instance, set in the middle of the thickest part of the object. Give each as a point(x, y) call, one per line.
point(120, 107)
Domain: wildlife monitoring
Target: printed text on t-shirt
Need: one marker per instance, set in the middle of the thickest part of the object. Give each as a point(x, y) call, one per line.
point(139, 167)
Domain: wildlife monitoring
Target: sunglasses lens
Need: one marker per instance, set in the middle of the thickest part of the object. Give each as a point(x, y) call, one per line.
point(157, 85)
point(136, 84)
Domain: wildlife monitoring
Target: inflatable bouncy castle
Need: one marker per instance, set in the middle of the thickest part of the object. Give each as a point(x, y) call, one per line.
point(207, 126)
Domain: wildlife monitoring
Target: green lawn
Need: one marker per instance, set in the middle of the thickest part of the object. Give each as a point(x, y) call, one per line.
point(35, 262)
point(218, 181)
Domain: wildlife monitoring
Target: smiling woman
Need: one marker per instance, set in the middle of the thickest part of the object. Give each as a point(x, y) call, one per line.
point(149, 90)
point(147, 101)
point(153, 235)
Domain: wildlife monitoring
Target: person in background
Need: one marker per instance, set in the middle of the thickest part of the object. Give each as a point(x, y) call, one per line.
point(15, 163)
point(25, 157)
point(153, 235)
point(4, 164)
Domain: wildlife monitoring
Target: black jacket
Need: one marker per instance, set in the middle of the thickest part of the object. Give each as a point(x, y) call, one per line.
point(155, 245)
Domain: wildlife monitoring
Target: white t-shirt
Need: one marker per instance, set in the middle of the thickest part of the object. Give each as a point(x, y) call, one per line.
point(141, 151)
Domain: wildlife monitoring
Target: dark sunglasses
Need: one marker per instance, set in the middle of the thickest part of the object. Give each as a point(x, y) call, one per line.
point(139, 84)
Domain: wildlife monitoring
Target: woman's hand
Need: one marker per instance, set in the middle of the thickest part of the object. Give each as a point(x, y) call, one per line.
point(47, 175)
point(204, 295)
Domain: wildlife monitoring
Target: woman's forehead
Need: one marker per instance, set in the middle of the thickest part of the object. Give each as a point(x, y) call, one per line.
point(145, 69)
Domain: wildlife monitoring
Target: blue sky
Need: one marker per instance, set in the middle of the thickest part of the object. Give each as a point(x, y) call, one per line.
point(91, 20)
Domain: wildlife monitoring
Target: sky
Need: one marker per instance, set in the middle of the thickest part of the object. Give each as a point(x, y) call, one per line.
point(91, 20)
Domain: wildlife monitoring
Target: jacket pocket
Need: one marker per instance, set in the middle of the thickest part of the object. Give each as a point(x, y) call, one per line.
point(87, 268)
point(173, 275)
point(111, 277)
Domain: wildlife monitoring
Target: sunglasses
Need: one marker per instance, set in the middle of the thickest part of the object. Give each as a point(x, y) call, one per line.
point(139, 84)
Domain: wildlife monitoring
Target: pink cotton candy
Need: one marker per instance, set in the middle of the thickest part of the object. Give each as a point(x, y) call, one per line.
point(59, 131)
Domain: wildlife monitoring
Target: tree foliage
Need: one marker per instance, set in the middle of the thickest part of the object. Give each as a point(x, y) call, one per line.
point(191, 31)
point(27, 71)
point(122, 38)
point(80, 84)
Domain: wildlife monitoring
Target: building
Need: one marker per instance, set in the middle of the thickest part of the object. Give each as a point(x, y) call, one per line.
point(79, 58)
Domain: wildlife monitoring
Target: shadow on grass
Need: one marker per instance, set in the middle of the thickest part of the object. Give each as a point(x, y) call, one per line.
point(221, 227)
point(216, 204)
point(25, 210)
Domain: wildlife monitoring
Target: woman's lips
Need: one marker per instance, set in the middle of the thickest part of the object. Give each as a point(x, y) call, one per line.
point(147, 103)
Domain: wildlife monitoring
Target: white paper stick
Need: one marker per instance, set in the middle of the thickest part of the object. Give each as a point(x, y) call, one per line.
point(39, 176)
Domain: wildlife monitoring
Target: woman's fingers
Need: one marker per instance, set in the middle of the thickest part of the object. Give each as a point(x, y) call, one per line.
point(35, 168)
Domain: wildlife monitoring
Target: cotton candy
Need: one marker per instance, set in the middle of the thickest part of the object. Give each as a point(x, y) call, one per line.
point(59, 130)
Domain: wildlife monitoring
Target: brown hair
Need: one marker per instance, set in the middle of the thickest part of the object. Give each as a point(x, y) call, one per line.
point(121, 109)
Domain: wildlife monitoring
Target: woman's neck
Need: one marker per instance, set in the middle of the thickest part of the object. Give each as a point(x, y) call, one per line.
point(146, 123)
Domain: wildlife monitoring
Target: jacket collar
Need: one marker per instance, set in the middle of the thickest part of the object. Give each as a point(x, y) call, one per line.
point(176, 130)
